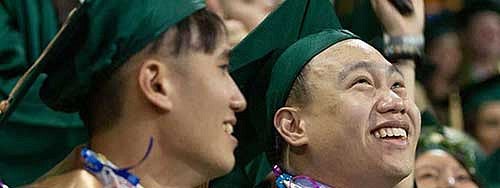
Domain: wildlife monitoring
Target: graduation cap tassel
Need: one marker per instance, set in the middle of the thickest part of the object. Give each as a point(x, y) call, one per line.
point(19, 91)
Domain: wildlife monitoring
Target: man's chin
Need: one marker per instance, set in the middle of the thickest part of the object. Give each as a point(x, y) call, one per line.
point(398, 169)
point(223, 166)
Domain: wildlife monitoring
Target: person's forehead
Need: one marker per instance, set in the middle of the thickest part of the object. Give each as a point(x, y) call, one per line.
point(490, 106)
point(436, 157)
point(349, 55)
point(348, 48)
point(487, 15)
point(447, 39)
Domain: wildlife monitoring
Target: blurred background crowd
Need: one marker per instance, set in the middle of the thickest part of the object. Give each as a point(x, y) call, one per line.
point(458, 85)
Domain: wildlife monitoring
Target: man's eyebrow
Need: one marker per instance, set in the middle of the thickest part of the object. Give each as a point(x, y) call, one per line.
point(428, 166)
point(393, 69)
point(370, 67)
point(358, 65)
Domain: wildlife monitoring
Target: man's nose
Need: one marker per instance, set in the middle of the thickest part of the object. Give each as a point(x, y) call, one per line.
point(391, 102)
point(238, 102)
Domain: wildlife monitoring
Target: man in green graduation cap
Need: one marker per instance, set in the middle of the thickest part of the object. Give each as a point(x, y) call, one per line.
point(481, 110)
point(325, 107)
point(150, 81)
point(446, 158)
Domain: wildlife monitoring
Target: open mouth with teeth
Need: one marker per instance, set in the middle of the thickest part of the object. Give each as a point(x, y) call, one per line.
point(391, 133)
point(228, 128)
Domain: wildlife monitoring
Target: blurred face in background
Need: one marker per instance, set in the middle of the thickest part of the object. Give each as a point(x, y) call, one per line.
point(445, 52)
point(436, 168)
point(488, 126)
point(241, 16)
point(483, 34)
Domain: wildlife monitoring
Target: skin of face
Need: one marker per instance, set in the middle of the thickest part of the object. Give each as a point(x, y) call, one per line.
point(204, 100)
point(436, 168)
point(488, 126)
point(354, 90)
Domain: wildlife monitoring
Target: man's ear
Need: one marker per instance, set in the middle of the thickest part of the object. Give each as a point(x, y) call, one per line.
point(291, 126)
point(154, 84)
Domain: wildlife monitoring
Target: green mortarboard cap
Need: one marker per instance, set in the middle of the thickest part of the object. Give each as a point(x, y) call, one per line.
point(475, 95)
point(456, 143)
point(265, 65)
point(364, 22)
point(97, 39)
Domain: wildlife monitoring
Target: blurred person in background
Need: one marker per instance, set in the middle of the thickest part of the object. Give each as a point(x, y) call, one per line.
point(241, 16)
point(481, 109)
point(249, 12)
point(446, 157)
point(481, 39)
point(444, 53)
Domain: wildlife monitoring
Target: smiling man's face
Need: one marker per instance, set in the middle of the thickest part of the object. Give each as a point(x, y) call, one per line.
point(361, 121)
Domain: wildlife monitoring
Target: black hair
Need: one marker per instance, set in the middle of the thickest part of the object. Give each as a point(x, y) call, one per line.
point(207, 24)
point(299, 96)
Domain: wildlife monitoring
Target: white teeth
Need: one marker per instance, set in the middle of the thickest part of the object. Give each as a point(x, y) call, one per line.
point(390, 132)
point(228, 128)
point(396, 131)
point(383, 133)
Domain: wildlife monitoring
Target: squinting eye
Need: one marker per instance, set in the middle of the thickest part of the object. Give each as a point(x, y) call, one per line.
point(427, 176)
point(463, 178)
point(397, 85)
point(361, 81)
point(224, 67)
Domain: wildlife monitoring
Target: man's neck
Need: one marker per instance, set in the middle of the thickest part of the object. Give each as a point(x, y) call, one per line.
point(126, 145)
point(343, 177)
